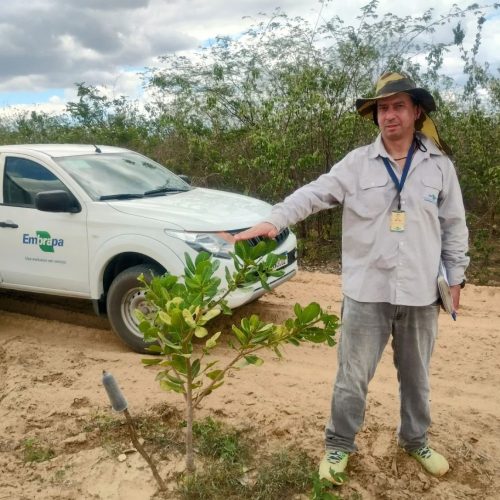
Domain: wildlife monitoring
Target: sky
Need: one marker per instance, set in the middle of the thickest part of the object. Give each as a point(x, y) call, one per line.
point(50, 45)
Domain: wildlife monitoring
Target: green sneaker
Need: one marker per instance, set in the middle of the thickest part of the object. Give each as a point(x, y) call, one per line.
point(431, 461)
point(333, 465)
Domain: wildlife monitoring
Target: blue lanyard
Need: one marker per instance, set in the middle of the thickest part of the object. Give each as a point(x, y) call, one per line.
point(400, 183)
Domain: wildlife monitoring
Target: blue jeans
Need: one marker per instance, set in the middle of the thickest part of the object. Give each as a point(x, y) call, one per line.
point(366, 328)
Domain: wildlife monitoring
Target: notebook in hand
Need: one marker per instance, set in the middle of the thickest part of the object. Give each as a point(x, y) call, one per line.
point(445, 293)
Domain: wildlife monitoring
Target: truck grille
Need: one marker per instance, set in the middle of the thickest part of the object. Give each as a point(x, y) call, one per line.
point(280, 238)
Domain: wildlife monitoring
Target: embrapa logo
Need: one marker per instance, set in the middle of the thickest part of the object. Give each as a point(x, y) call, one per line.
point(432, 198)
point(43, 240)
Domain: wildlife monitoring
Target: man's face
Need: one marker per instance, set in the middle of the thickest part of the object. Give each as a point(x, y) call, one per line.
point(396, 116)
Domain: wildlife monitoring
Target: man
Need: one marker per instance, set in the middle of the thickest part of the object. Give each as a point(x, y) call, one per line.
point(402, 214)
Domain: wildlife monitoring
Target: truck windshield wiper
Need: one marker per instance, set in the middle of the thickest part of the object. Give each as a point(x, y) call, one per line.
point(120, 196)
point(162, 190)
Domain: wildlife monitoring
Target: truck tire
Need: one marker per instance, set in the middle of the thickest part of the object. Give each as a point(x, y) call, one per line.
point(123, 298)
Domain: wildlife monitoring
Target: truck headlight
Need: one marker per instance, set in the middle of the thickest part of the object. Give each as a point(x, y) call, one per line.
point(218, 244)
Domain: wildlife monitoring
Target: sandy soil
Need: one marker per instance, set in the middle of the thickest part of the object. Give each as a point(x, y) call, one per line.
point(50, 372)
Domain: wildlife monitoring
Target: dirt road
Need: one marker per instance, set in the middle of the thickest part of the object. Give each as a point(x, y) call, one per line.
point(50, 371)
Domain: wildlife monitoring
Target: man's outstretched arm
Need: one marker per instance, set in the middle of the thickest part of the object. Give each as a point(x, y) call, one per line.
point(325, 192)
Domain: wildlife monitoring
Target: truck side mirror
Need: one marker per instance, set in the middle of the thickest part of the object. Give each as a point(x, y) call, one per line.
point(185, 178)
point(56, 201)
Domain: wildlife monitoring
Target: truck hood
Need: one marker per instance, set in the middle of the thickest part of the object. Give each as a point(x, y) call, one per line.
point(198, 210)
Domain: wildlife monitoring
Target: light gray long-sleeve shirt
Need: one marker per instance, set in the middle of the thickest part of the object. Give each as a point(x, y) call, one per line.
point(379, 265)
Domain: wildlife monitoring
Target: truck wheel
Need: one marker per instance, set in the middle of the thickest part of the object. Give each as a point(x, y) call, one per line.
point(124, 297)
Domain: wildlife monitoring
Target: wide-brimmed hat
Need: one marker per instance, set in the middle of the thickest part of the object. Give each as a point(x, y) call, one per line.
point(394, 83)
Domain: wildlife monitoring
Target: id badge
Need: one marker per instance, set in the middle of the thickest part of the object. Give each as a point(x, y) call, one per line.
point(398, 220)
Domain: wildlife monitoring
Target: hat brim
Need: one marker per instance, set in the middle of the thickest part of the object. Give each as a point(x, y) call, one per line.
point(366, 106)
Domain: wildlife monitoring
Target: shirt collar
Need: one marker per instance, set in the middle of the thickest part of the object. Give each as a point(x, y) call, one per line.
point(377, 148)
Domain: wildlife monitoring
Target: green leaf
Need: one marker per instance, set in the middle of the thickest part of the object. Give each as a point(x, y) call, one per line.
point(251, 359)
point(165, 295)
point(331, 341)
point(195, 368)
point(242, 339)
point(165, 318)
point(298, 311)
point(212, 313)
point(179, 363)
point(206, 273)
point(167, 281)
point(177, 318)
point(151, 361)
point(212, 341)
point(144, 326)
point(264, 247)
point(200, 332)
point(266, 327)
point(167, 385)
point(173, 379)
point(214, 375)
point(215, 265)
point(188, 318)
point(186, 355)
point(271, 260)
point(176, 347)
point(193, 283)
point(190, 268)
point(154, 348)
point(167, 363)
point(175, 301)
point(245, 325)
point(261, 337)
point(316, 335)
point(229, 278)
point(241, 249)
point(139, 315)
point(202, 257)
point(310, 312)
point(271, 245)
point(263, 282)
point(236, 261)
point(277, 352)
point(258, 250)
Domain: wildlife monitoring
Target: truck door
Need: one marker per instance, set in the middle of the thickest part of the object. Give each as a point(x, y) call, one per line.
point(40, 251)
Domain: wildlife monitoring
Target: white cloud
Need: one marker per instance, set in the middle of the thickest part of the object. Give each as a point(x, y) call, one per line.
point(55, 99)
point(97, 42)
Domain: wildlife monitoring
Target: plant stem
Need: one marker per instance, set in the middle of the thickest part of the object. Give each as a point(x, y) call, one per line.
point(190, 467)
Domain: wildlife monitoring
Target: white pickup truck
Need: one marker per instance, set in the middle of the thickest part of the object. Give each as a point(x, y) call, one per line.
point(84, 221)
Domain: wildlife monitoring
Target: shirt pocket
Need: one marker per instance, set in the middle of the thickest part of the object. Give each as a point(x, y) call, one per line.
point(373, 196)
point(432, 186)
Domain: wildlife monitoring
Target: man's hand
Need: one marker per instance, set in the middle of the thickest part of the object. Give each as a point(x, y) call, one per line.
point(455, 295)
point(265, 229)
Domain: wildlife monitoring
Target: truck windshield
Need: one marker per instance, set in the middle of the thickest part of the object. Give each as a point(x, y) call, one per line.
point(109, 175)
